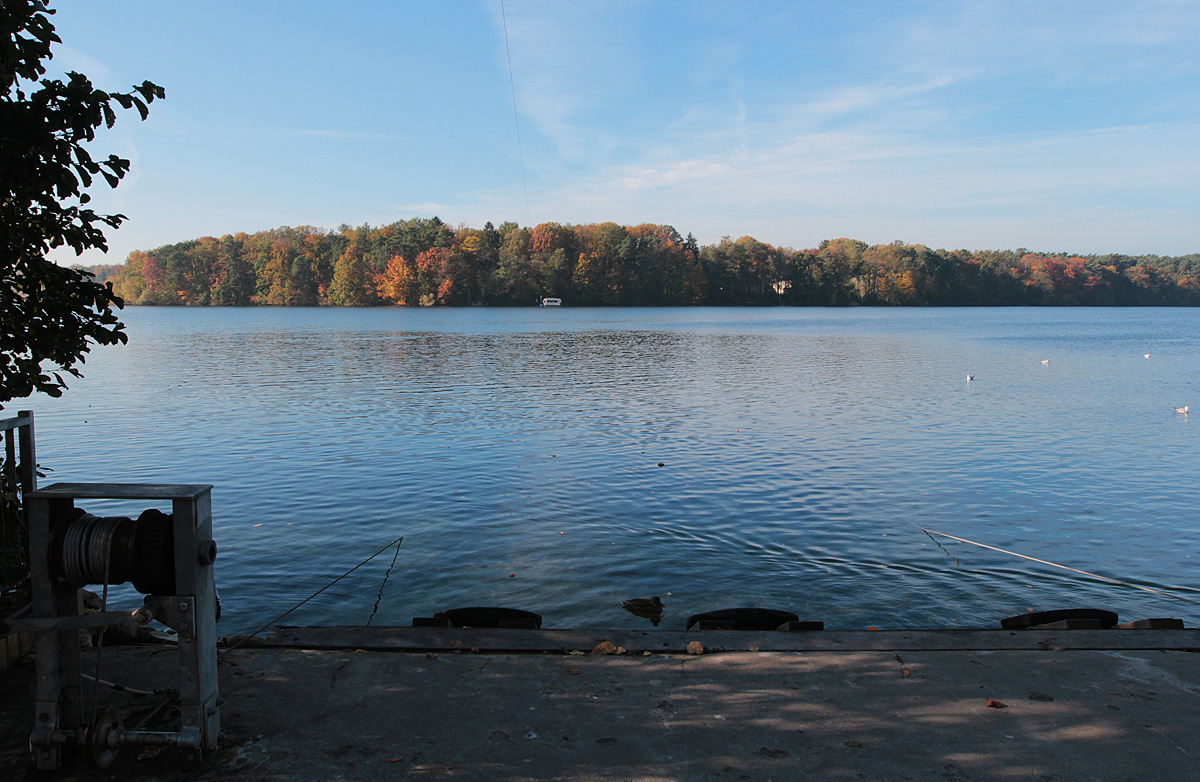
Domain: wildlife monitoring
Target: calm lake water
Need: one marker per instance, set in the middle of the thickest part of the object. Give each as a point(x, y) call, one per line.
point(562, 460)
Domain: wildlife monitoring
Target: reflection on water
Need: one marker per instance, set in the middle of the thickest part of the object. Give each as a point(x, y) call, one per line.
point(566, 460)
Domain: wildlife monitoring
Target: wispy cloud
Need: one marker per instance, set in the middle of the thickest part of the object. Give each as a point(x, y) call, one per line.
point(867, 101)
point(67, 59)
point(971, 117)
point(879, 188)
point(569, 60)
point(960, 122)
point(353, 135)
point(429, 208)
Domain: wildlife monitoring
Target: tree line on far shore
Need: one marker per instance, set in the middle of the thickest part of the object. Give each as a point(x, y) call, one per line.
point(424, 262)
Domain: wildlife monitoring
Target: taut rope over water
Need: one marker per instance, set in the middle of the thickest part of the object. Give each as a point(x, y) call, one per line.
point(931, 533)
point(1064, 567)
point(382, 584)
point(245, 638)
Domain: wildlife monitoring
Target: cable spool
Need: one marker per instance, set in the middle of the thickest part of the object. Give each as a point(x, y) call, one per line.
point(89, 549)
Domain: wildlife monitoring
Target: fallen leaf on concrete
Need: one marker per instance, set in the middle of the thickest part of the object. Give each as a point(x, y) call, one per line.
point(695, 647)
point(646, 654)
point(475, 649)
point(430, 656)
point(604, 647)
point(456, 644)
point(754, 648)
point(994, 704)
point(575, 653)
point(905, 672)
point(395, 760)
point(621, 650)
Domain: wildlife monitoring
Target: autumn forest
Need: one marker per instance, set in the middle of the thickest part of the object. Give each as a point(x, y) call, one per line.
point(424, 262)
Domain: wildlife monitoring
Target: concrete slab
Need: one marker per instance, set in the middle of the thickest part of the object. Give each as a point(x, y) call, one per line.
point(301, 714)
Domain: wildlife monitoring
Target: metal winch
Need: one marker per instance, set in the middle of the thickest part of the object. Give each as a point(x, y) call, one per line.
point(167, 557)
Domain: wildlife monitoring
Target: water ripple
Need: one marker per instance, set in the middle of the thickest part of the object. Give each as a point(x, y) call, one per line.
point(565, 461)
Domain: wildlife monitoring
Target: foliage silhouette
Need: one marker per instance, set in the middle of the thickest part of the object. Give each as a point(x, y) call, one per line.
point(51, 314)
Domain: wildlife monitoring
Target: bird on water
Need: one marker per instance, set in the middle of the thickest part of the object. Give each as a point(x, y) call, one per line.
point(1183, 409)
point(646, 607)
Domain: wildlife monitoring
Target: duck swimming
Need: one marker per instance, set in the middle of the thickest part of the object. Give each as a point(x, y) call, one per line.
point(648, 608)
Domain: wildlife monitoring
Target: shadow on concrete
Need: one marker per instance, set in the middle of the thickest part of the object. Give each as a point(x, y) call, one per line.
point(299, 715)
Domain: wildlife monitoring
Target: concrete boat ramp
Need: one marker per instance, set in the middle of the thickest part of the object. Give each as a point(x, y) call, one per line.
point(453, 704)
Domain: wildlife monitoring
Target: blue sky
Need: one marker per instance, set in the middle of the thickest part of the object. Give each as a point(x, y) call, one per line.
point(1070, 126)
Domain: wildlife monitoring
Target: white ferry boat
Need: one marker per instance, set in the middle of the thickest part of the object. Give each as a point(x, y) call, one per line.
point(550, 301)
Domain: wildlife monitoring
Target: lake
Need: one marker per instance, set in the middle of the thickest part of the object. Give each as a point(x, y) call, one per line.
point(561, 460)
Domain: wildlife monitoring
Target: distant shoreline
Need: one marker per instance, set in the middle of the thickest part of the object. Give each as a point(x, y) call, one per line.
point(424, 262)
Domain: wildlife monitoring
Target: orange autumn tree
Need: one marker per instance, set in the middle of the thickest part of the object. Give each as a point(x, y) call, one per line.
point(397, 283)
point(432, 284)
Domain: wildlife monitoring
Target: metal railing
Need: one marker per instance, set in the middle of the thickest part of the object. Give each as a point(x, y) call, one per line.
point(18, 477)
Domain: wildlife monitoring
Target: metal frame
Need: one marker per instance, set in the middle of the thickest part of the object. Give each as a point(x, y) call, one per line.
point(18, 441)
point(191, 611)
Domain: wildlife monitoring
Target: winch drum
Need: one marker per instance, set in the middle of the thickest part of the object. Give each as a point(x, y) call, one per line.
point(168, 557)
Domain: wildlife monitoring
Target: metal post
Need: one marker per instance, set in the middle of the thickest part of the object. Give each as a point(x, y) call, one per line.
point(58, 691)
point(28, 455)
point(198, 642)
